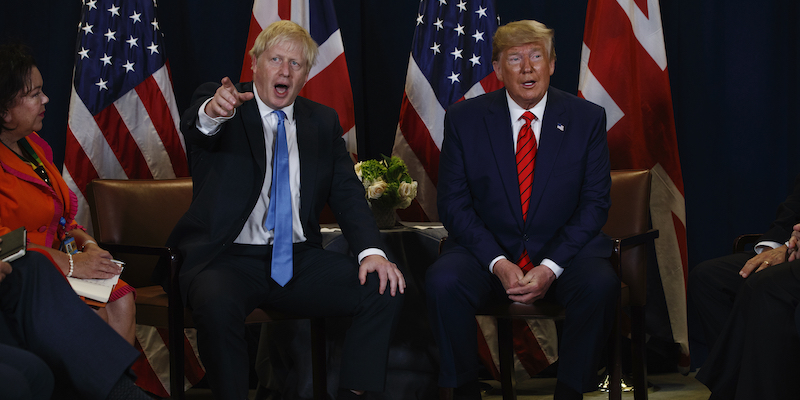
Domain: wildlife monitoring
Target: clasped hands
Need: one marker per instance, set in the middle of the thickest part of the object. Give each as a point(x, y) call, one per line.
point(778, 255)
point(524, 287)
point(794, 241)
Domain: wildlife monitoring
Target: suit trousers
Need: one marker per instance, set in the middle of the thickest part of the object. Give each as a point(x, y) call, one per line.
point(755, 356)
point(457, 285)
point(23, 375)
point(324, 284)
point(45, 316)
point(712, 289)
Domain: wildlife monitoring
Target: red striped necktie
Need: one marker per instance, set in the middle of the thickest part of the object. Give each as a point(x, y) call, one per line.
point(526, 162)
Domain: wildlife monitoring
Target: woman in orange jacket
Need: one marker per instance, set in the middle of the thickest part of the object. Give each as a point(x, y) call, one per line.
point(34, 195)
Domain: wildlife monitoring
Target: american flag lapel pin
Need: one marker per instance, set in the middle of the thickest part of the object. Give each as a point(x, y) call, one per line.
point(560, 127)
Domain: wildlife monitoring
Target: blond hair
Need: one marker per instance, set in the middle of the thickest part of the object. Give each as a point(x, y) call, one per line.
point(520, 33)
point(283, 31)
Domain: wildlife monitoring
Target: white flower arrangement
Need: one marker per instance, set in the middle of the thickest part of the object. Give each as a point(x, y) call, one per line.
point(387, 182)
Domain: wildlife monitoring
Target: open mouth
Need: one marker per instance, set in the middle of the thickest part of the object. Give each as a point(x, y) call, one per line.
point(528, 84)
point(281, 89)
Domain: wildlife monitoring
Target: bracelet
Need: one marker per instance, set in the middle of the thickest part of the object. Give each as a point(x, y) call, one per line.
point(83, 246)
point(71, 266)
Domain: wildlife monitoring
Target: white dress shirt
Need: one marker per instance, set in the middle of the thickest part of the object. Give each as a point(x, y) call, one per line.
point(517, 122)
point(253, 231)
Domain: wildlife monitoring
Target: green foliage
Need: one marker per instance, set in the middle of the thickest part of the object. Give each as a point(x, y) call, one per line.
point(387, 182)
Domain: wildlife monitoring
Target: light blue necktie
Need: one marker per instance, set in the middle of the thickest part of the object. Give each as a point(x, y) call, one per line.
point(279, 215)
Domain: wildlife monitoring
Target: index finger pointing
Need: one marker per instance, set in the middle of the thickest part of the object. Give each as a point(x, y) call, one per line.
point(227, 84)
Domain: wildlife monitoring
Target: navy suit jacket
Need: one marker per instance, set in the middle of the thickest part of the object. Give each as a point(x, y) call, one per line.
point(787, 216)
point(229, 168)
point(478, 189)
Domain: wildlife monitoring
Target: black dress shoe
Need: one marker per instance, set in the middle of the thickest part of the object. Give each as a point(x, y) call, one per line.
point(564, 392)
point(468, 391)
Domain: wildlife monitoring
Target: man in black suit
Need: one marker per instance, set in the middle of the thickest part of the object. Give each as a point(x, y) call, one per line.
point(747, 304)
point(226, 236)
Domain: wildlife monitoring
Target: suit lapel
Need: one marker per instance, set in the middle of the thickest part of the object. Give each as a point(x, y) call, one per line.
point(308, 148)
point(555, 119)
point(254, 130)
point(501, 139)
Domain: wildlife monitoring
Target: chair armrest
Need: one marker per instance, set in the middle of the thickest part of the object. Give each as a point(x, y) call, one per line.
point(636, 239)
point(629, 259)
point(137, 249)
point(742, 241)
point(165, 254)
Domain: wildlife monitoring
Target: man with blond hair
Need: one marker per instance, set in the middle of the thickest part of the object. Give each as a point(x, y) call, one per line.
point(264, 163)
point(523, 192)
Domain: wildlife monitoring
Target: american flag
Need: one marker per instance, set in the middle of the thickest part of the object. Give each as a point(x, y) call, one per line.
point(451, 60)
point(123, 123)
point(625, 39)
point(123, 119)
point(328, 82)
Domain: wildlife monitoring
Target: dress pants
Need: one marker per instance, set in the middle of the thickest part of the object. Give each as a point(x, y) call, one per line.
point(324, 284)
point(457, 285)
point(45, 316)
point(712, 289)
point(756, 355)
point(23, 375)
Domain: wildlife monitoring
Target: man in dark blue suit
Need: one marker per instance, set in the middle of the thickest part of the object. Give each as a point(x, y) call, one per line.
point(513, 238)
point(226, 238)
point(50, 340)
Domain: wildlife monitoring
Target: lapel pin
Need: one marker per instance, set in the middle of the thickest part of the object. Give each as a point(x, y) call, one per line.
point(560, 127)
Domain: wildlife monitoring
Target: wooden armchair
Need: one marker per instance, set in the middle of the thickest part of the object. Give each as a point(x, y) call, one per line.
point(628, 224)
point(132, 220)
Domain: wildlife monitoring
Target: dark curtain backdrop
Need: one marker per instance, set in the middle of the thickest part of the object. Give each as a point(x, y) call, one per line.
point(733, 68)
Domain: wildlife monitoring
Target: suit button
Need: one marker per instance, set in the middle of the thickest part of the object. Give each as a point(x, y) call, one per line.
point(525, 237)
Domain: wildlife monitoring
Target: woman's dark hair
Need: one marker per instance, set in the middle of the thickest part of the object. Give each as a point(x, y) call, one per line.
point(16, 63)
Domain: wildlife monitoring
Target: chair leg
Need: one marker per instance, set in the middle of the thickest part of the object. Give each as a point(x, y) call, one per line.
point(505, 341)
point(639, 352)
point(445, 393)
point(614, 360)
point(318, 359)
point(176, 354)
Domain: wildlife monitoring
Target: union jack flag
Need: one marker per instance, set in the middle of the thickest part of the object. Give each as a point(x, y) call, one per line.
point(451, 60)
point(328, 81)
point(625, 38)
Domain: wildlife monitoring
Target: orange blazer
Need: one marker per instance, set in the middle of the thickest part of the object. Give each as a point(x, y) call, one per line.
point(26, 200)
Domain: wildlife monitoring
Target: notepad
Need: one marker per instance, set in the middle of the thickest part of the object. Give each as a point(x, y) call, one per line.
point(94, 289)
point(13, 244)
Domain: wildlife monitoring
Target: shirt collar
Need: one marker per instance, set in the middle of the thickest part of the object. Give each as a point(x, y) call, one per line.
point(264, 110)
point(516, 111)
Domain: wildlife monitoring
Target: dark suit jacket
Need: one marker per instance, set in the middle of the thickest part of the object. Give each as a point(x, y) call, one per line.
point(229, 168)
point(787, 216)
point(478, 189)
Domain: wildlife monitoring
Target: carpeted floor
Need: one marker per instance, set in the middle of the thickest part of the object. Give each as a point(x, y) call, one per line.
point(665, 387)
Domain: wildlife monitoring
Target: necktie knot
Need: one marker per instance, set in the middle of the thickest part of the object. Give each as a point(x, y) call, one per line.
point(282, 116)
point(528, 117)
